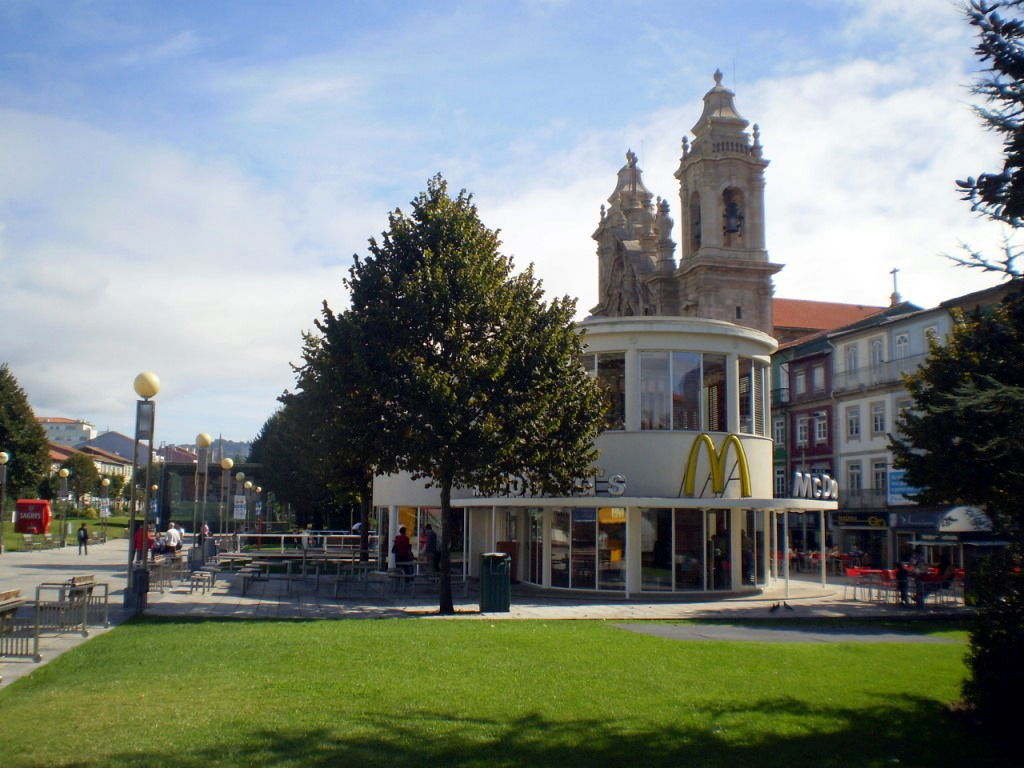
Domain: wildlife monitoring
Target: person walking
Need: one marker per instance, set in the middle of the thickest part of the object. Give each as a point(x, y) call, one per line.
point(83, 539)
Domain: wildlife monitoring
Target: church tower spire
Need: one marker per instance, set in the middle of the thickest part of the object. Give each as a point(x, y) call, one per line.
point(724, 266)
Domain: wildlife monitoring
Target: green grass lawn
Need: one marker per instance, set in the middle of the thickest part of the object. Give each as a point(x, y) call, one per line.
point(423, 692)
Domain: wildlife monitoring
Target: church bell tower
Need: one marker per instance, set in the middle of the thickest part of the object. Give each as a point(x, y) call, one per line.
point(724, 268)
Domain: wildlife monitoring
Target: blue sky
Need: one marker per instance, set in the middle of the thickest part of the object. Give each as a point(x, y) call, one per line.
point(182, 184)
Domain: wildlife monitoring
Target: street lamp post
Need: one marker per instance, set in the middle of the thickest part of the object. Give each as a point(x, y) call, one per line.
point(4, 458)
point(257, 508)
point(105, 505)
point(240, 479)
point(203, 443)
point(64, 472)
point(147, 385)
point(225, 465)
point(248, 499)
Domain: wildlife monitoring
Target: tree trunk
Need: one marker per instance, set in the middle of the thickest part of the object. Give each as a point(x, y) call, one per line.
point(447, 523)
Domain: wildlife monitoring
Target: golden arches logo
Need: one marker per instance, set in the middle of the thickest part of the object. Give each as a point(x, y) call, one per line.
point(717, 461)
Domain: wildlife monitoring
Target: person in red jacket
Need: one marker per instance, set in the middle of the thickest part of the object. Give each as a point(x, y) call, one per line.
point(142, 548)
point(402, 550)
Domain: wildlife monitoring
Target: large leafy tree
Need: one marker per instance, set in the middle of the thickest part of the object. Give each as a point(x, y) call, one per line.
point(83, 476)
point(21, 436)
point(291, 464)
point(470, 377)
point(961, 442)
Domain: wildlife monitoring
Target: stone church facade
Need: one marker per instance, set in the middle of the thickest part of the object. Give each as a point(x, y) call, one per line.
point(723, 272)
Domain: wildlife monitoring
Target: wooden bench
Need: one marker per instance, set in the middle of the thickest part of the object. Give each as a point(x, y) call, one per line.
point(49, 542)
point(31, 542)
point(15, 632)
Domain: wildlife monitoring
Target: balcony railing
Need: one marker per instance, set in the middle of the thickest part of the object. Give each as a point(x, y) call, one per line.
point(780, 396)
point(865, 498)
point(875, 375)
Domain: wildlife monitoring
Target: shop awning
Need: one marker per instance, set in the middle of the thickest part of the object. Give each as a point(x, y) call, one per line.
point(964, 520)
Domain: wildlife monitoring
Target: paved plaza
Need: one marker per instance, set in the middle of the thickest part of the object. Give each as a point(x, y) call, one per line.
point(273, 600)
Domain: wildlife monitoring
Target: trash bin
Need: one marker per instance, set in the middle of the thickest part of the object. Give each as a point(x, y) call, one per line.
point(495, 582)
point(135, 597)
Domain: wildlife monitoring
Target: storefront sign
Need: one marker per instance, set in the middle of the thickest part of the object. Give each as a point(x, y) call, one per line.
point(239, 508)
point(597, 485)
point(858, 519)
point(717, 461)
point(814, 486)
point(898, 490)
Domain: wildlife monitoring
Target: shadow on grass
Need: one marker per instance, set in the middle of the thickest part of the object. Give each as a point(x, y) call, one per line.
point(907, 732)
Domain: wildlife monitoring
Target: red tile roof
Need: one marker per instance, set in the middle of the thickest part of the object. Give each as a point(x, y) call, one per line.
point(818, 315)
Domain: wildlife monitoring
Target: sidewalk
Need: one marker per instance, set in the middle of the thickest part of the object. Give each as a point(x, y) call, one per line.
point(25, 570)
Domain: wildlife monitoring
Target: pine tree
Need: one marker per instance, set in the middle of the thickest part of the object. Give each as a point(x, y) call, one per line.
point(22, 437)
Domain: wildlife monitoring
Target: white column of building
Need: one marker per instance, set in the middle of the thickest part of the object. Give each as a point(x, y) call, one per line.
point(824, 548)
point(736, 549)
point(732, 393)
point(545, 566)
point(785, 547)
point(393, 530)
point(634, 555)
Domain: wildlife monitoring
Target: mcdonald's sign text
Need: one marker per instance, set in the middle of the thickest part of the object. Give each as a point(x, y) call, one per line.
point(814, 486)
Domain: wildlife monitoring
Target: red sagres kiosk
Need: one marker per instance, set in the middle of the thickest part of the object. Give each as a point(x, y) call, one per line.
point(32, 516)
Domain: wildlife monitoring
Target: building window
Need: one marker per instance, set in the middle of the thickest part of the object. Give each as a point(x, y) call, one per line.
point(878, 418)
point(685, 390)
point(800, 382)
point(850, 355)
point(818, 378)
point(779, 431)
point(853, 422)
point(877, 349)
point(715, 409)
point(879, 472)
point(611, 375)
point(931, 333)
point(902, 345)
point(801, 431)
point(780, 483)
point(821, 428)
point(654, 391)
point(853, 476)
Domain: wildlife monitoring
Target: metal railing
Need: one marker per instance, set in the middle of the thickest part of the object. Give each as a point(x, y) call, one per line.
point(864, 498)
point(875, 375)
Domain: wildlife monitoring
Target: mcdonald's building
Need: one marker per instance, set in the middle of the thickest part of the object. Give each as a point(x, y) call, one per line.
point(682, 501)
point(683, 498)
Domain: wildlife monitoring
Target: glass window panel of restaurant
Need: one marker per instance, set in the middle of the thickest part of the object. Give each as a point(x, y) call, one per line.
point(753, 417)
point(746, 395)
point(611, 548)
point(654, 391)
point(611, 374)
point(656, 549)
point(686, 378)
point(535, 546)
point(713, 386)
point(753, 545)
point(584, 548)
point(560, 548)
point(688, 549)
point(717, 561)
point(760, 399)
